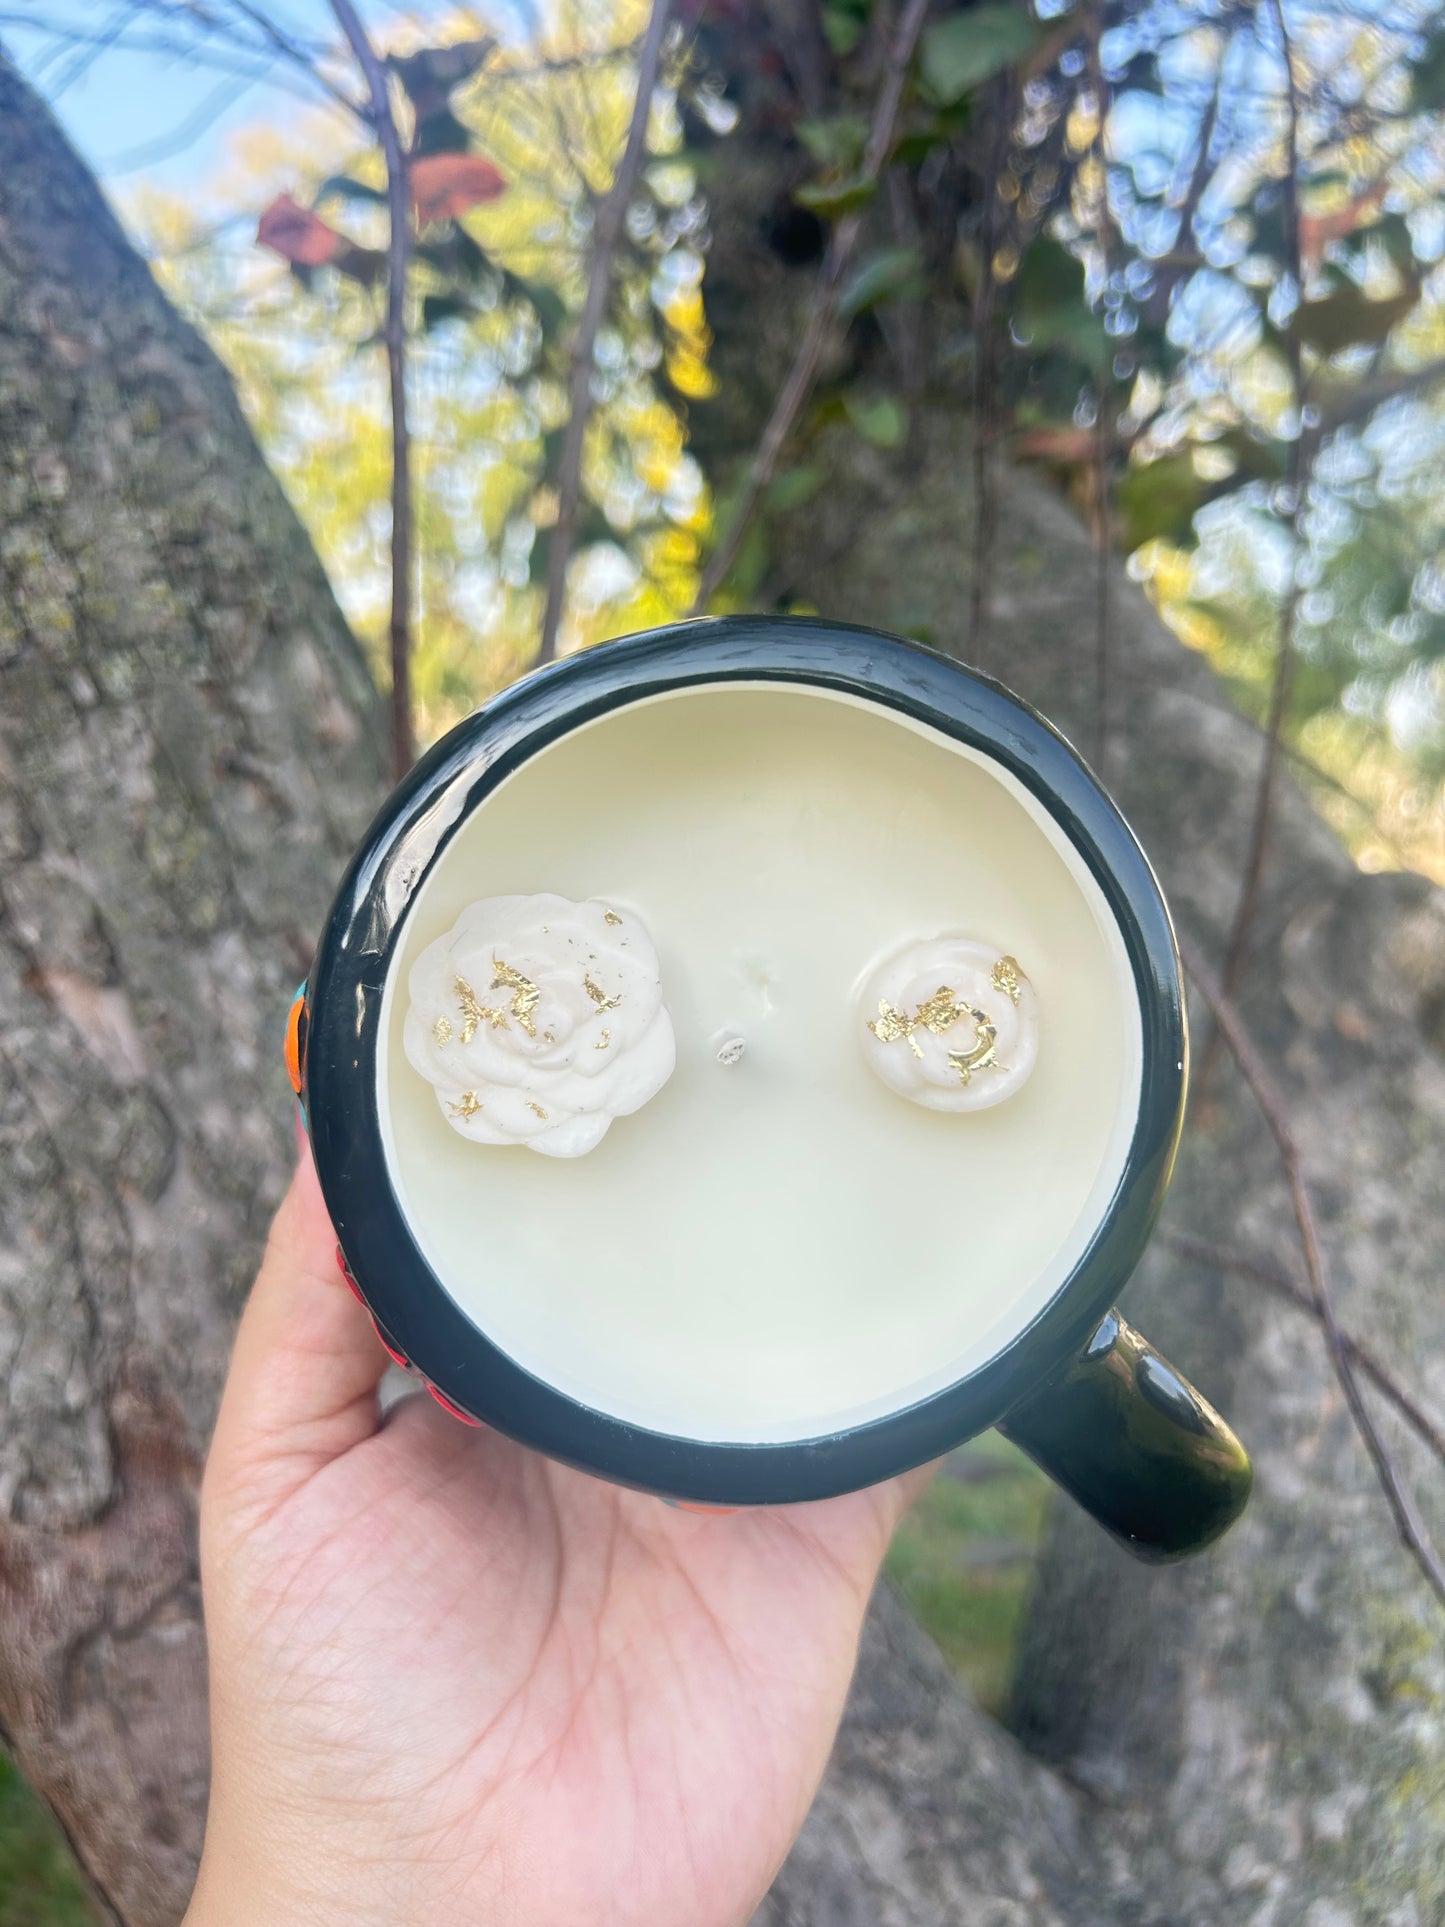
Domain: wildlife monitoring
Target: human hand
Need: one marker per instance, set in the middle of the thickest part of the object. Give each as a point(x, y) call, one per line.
point(454, 1682)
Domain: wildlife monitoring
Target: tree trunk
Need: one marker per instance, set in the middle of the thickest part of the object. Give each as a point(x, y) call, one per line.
point(189, 747)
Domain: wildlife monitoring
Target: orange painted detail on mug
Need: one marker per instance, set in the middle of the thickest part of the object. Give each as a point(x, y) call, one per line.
point(296, 1042)
point(711, 1511)
point(455, 1410)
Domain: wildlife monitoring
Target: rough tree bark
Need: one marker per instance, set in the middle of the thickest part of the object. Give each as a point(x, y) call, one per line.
point(1252, 1739)
point(189, 746)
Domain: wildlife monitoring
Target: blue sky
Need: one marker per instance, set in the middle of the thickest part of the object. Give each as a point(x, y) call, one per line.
point(125, 108)
point(145, 113)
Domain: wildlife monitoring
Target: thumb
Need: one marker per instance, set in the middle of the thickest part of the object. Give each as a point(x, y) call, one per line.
point(302, 1388)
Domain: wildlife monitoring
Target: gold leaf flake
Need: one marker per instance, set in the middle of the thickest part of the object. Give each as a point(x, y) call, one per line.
point(891, 1026)
point(599, 996)
point(533, 1105)
point(605, 1041)
point(466, 1106)
point(941, 1011)
point(610, 916)
point(1008, 978)
point(525, 994)
point(983, 1056)
point(474, 1011)
point(442, 1031)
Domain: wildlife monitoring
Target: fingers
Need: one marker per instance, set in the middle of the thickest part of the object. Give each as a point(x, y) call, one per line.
point(306, 1366)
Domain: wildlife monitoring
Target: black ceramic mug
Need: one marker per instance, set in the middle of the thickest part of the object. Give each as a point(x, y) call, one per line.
point(780, 1278)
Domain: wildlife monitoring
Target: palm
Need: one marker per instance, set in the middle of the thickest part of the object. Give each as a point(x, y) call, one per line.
point(529, 1696)
point(513, 1667)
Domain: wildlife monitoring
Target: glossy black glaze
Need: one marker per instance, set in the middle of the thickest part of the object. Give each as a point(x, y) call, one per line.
point(362, 933)
point(1136, 1445)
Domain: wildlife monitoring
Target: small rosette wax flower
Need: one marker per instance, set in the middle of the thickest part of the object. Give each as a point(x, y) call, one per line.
point(537, 1021)
point(951, 1024)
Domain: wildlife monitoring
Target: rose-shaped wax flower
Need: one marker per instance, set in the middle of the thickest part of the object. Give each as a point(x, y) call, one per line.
point(951, 1024)
point(538, 1020)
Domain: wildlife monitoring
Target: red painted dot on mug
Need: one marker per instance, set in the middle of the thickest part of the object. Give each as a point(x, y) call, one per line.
point(345, 1270)
point(396, 1357)
point(455, 1410)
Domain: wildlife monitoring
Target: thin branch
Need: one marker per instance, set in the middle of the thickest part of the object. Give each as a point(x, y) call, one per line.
point(165, 146)
point(1378, 393)
point(1274, 1278)
point(206, 23)
point(608, 229)
point(398, 252)
point(1184, 257)
point(1103, 568)
point(985, 412)
point(798, 383)
point(291, 49)
point(1104, 427)
point(135, 42)
point(1230, 1026)
point(566, 63)
point(1296, 482)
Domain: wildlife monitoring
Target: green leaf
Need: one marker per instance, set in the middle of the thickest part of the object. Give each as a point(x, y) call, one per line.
point(889, 274)
point(1347, 317)
point(1049, 308)
point(446, 67)
point(1257, 459)
point(436, 308)
point(440, 133)
point(550, 308)
point(794, 487)
point(455, 254)
point(366, 265)
point(747, 572)
point(1159, 499)
point(552, 448)
point(430, 76)
point(960, 53)
point(914, 146)
point(1427, 82)
point(833, 199)
point(841, 30)
point(878, 419)
point(836, 142)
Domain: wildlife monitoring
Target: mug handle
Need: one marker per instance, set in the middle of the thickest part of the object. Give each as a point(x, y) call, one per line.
point(1133, 1442)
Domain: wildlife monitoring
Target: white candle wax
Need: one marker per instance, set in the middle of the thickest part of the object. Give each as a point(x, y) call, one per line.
point(777, 1246)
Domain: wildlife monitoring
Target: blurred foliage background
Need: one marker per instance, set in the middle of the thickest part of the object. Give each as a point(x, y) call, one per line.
point(1200, 285)
point(1219, 319)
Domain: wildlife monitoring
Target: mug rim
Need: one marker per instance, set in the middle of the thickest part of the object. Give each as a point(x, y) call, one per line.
point(419, 1320)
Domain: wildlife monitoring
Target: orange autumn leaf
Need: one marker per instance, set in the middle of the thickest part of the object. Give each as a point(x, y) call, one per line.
point(298, 235)
point(1055, 443)
point(446, 185)
point(1316, 231)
